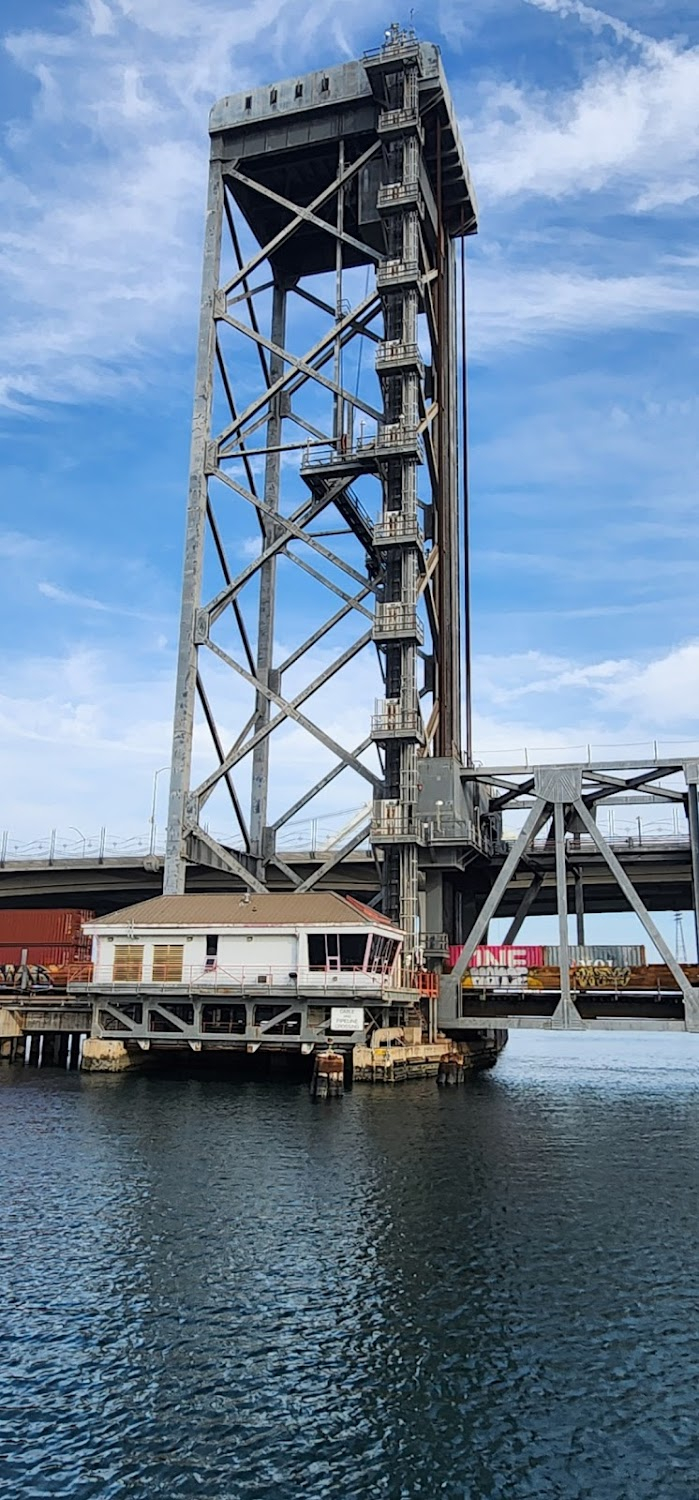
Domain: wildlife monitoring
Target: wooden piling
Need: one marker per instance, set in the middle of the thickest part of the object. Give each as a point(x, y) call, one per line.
point(328, 1081)
point(451, 1070)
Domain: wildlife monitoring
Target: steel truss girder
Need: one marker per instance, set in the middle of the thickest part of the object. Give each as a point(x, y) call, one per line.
point(563, 794)
point(158, 1022)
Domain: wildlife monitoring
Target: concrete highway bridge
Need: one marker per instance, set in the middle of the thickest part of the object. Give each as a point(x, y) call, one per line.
point(660, 868)
point(658, 865)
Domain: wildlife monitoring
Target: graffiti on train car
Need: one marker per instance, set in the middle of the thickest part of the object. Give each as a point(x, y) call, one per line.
point(25, 977)
point(600, 976)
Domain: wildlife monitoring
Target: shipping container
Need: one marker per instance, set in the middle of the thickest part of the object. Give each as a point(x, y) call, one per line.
point(51, 937)
point(498, 955)
point(615, 955)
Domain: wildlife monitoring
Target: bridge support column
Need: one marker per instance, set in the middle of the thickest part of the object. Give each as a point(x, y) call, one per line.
point(580, 908)
point(566, 1013)
point(693, 817)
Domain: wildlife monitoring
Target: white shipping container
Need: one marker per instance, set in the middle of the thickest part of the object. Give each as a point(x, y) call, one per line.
point(616, 955)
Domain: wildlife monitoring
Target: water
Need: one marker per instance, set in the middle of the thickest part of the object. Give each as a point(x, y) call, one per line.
point(225, 1290)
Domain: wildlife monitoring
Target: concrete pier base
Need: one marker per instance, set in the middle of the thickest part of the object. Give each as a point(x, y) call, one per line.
point(101, 1056)
point(9, 1025)
point(396, 1054)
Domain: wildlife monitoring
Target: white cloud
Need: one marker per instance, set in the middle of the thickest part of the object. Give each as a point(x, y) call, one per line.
point(99, 256)
point(82, 733)
point(631, 125)
point(662, 692)
point(99, 260)
point(623, 700)
point(515, 306)
point(15, 546)
point(75, 600)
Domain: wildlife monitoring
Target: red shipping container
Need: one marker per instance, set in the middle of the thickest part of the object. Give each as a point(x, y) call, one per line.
point(49, 936)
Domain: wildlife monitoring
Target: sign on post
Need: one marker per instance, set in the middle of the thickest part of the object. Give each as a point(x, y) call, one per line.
point(347, 1018)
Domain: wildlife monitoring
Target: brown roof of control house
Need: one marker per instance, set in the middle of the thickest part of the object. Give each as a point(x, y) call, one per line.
point(235, 909)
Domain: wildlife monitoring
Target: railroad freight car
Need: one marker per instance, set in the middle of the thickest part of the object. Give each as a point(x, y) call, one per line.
point(44, 947)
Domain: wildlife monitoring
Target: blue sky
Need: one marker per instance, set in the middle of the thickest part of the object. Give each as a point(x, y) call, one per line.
point(582, 131)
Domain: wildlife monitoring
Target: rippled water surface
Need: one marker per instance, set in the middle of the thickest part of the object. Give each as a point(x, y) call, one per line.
point(222, 1289)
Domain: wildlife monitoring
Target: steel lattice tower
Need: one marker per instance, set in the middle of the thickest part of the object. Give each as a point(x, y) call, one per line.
point(317, 185)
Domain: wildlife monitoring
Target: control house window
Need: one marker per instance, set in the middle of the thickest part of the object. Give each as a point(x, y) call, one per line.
point(128, 963)
point(211, 950)
point(352, 950)
point(323, 950)
point(381, 954)
point(167, 963)
point(332, 950)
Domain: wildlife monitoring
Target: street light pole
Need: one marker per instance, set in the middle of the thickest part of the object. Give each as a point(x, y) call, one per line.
point(158, 773)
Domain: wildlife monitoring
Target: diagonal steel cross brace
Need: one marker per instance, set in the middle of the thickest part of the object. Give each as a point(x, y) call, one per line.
point(305, 214)
point(329, 338)
point(319, 786)
point(310, 372)
point(301, 719)
point(226, 857)
point(239, 752)
point(266, 251)
point(689, 994)
point(218, 604)
point(540, 811)
point(336, 856)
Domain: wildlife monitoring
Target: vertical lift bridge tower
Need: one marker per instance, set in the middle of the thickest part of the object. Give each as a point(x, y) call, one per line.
point(326, 411)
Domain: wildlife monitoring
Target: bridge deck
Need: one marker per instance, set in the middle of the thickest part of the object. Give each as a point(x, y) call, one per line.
point(660, 869)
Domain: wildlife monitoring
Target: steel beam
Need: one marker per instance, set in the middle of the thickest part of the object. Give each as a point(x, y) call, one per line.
point(265, 621)
point(537, 817)
point(186, 685)
point(693, 819)
point(524, 908)
point(565, 1013)
point(579, 908)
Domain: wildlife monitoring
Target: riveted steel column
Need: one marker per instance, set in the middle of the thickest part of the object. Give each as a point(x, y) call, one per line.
point(580, 908)
point(565, 1014)
point(186, 685)
point(693, 815)
point(448, 740)
point(268, 575)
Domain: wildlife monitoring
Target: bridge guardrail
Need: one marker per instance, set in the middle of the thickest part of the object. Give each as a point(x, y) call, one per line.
point(253, 977)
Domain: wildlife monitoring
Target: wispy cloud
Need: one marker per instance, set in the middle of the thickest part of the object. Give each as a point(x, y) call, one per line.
point(518, 306)
point(79, 601)
point(122, 95)
point(629, 697)
point(15, 546)
point(631, 126)
point(113, 226)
